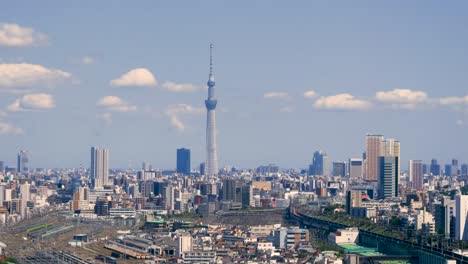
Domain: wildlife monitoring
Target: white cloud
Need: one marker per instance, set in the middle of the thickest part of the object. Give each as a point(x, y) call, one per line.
point(9, 129)
point(23, 77)
point(310, 94)
point(175, 112)
point(136, 77)
point(181, 87)
point(32, 102)
point(14, 35)
point(115, 104)
point(403, 98)
point(276, 95)
point(341, 102)
point(87, 60)
point(454, 100)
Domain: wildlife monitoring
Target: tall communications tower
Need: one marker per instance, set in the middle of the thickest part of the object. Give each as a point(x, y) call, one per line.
point(211, 168)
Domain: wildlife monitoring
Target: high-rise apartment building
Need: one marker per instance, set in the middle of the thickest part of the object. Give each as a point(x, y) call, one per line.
point(353, 199)
point(99, 167)
point(373, 152)
point(416, 174)
point(184, 245)
point(388, 177)
point(183, 161)
point(461, 204)
point(23, 161)
point(355, 168)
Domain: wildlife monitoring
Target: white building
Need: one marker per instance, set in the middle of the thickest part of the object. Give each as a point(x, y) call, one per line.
point(341, 236)
point(461, 204)
point(265, 246)
point(184, 244)
point(99, 167)
point(425, 219)
point(450, 211)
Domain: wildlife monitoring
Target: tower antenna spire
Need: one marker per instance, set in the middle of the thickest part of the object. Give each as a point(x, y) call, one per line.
point(211, 58)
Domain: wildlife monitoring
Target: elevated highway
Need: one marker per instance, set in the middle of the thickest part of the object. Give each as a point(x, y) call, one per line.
point(428, 254)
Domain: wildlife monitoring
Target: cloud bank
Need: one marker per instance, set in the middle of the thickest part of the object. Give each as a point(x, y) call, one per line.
point(14, 35)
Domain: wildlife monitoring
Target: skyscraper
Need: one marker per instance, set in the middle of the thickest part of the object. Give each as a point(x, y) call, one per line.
point(339, 169)
point(391, 147)
point(2, 166)
point(210, 103)
point(388, 177)
point(23, 161)
point(183, 161)
point(435, 168)
point(355, 168)
point(320, 164)
point(229, 190)
point(416, 174)
point(373, 152)
point(99, 167)
point(448, 170)
point(464, 170)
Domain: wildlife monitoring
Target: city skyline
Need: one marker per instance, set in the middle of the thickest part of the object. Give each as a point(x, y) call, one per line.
point(142, 95)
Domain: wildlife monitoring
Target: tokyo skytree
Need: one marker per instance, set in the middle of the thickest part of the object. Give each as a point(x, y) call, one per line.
point(211, 166)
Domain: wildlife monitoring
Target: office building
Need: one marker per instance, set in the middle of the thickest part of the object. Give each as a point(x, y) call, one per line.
point(461, 204)
point(388, 177)
point(146, 166)
point(102, 207)
point(448, 170)
point(464, 170)
point(229, 190)
point(202, 168)
point(210, 103)
point(391, 147)
point(435, 168)
point(183, 161)
point(339, 169)
point(2, 166)
point(373, 152)
point(455, 167)
point(416, 174)
point(320, 164)
point(99, 167)
point(23, 161)
point(355, 168)
point(270, 168)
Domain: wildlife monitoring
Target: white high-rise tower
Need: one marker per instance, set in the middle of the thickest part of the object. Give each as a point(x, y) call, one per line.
point(211, 167)
point(99, 167)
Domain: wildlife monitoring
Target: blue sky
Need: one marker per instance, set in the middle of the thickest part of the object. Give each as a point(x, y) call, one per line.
point(292, 77)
